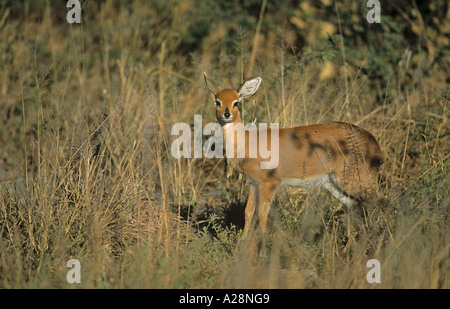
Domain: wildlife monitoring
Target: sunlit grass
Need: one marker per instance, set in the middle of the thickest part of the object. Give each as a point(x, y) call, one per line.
point(86, 170)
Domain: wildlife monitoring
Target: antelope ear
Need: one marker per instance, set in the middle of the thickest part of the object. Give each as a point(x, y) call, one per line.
point(249, 88)
point(212, 87)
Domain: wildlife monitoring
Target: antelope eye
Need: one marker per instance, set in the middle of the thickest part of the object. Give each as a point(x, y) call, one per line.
point(218, 103)
point(235, 103)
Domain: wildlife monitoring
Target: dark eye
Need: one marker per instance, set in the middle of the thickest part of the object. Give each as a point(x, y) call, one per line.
point(218, 103)
point(235, 104)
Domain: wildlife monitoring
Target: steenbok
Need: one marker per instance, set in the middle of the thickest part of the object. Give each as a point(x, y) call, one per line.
point(340, 157)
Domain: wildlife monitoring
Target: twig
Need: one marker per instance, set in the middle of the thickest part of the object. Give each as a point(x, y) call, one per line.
point(255, 39)
point(253, 119)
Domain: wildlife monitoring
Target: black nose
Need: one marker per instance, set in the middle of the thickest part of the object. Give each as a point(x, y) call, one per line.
point(227, 113)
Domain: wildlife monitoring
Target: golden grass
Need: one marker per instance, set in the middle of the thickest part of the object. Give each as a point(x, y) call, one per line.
point(86, 170)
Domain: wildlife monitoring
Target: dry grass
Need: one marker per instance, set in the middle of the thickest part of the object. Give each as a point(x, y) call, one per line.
point(86, 170)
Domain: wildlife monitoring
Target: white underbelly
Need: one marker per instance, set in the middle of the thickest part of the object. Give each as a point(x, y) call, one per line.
point(307, 183)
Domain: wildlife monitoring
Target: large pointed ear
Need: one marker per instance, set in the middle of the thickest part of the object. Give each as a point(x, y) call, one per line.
point(249, 88)
point(212, 87)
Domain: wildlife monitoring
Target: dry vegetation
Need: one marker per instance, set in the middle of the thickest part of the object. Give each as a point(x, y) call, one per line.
point(86, 170)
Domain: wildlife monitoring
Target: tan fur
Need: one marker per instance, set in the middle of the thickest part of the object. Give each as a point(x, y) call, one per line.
point(338, 156)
